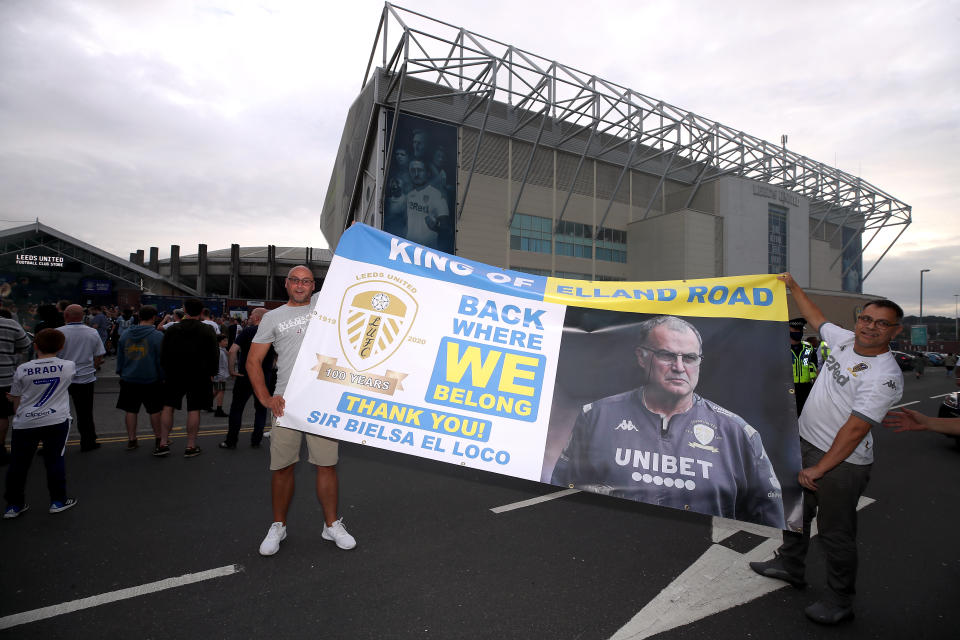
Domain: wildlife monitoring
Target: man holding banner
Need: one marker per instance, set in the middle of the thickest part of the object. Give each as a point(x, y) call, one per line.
point(857, 385)
point(663, 444)
point(284, 328)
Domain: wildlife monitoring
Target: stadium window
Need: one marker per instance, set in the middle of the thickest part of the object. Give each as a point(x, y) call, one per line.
point(573, 275)
point(776, 238)
point(532, 271)
point(574, 239)
point(612, 245)
point(531, 233)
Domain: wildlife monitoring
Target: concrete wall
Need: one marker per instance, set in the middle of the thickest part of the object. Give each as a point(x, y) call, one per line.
point(822, 276)
point(482, 233)
point(676, 246)
point(745, 215)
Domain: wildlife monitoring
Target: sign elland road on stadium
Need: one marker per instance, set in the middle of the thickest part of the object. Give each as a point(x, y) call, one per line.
point(416, 351)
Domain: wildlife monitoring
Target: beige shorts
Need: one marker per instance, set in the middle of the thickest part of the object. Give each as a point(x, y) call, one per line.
point(285, 448)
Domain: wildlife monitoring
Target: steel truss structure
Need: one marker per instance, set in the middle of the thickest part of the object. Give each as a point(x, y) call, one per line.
point(598, 119)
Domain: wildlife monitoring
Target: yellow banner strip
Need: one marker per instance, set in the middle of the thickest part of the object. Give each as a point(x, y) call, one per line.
point(758, 297)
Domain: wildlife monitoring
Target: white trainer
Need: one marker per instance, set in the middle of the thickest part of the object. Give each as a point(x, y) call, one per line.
point(271, 544)
point(338, 533)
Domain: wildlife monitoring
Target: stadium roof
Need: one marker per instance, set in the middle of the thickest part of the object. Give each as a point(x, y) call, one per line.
point(604, 120)
point(292, 255)
point(39, 235)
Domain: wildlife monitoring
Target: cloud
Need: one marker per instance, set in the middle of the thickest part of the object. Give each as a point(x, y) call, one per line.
point(899, 277)
point(138, 124)
point(125, 150)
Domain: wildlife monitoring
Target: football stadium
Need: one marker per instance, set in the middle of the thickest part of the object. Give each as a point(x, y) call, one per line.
point(481, 149)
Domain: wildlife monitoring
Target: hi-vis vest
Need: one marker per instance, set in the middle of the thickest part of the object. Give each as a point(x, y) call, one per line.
point(823, 352)
point(804, 370)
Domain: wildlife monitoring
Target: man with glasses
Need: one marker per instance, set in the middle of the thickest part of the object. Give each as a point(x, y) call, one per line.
point(859, 382)
point(663, 444)
point(284, 328)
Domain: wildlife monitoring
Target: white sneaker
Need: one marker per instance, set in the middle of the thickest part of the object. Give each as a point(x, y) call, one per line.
point(338, 533)
point(271, 544)
point(57, 507)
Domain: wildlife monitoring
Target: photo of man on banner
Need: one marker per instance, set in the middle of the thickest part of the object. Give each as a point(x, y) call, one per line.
point(660, 440)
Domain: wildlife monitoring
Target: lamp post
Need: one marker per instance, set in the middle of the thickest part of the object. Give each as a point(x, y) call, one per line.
point(922, 271)
point(956, 317)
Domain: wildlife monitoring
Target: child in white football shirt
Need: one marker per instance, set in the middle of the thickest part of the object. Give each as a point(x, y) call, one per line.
point(42, 404)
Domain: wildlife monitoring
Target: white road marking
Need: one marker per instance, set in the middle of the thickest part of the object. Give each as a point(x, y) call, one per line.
point(719, 580)
point(113, 596)
point(533, 501)
point(905, 404)
point(723, 528)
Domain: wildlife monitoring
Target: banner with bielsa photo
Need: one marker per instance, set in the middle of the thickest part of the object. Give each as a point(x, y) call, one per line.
point(673, 393)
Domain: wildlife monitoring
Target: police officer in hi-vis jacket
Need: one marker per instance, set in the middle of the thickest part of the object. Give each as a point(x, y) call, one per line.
point(804, 359)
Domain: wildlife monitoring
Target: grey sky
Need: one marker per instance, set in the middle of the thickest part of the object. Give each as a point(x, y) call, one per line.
point(136, 123)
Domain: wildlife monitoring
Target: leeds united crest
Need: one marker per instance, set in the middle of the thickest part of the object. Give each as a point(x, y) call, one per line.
point(375, 318)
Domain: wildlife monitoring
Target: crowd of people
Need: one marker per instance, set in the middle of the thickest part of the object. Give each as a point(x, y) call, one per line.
point(162, 359)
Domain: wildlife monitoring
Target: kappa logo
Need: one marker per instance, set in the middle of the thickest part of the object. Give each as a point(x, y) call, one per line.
point(625, 425)
point(375, 318)
point(891, 384)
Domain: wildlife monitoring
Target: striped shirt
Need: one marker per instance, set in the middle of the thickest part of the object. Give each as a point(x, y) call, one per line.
point(13, 340)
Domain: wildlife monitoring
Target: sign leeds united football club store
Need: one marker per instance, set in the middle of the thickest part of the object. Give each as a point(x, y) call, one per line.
point(670, 393)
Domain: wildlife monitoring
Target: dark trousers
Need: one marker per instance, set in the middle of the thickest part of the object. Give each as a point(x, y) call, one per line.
point(23, 444)
point(242, 392)
point(801, 391)
point(835, 506)
point(82, 395)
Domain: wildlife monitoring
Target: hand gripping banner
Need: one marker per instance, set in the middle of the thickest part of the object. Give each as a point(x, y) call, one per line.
point(673, 393)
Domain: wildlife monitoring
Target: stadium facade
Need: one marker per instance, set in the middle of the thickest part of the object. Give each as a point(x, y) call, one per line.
point(531, 165)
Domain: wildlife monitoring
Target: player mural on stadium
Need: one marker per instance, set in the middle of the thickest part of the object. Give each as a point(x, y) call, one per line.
point(420, 195)
point(663, 444)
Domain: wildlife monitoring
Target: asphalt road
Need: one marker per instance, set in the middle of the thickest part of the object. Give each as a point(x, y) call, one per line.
point(433, 560)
